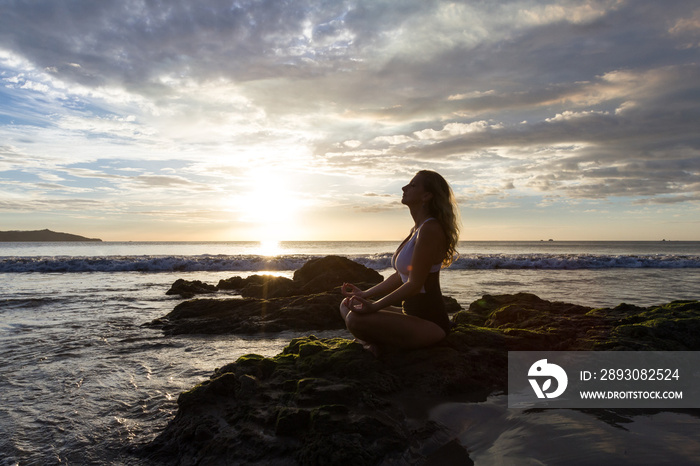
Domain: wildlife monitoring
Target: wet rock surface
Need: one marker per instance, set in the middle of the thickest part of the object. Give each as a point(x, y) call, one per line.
point(253, 315)
point(329, 401)
point(316, 276)
point(269, 303)
point(188, 289)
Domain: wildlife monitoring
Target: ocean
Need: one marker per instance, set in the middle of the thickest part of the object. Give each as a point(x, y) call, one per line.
point(83, 381)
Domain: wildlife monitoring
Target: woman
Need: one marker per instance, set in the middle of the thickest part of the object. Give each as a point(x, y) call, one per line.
point(422, 320)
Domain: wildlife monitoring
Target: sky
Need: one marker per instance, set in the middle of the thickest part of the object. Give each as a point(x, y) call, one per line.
point(301, 120)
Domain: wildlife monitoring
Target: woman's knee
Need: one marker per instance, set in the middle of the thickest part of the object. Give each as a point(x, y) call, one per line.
point(354, 322)
point(349, 318)
point(343, 310)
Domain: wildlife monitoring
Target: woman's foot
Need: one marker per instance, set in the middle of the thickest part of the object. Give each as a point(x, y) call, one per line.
point(371, 347)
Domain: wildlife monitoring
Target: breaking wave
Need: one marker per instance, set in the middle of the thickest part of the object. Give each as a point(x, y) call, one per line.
point(247, 263)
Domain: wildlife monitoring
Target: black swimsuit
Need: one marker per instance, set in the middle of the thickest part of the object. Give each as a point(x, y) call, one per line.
point(428, 304)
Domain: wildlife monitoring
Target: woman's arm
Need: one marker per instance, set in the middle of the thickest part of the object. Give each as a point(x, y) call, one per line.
point(429, 250)
point(389, 284)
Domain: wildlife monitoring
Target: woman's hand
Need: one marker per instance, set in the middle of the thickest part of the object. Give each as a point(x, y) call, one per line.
point(359, 305)
point(349, 290)
point(355, 299)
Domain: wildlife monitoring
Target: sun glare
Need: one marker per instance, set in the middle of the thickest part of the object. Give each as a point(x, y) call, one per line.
point(269, 248)
point(269, 206)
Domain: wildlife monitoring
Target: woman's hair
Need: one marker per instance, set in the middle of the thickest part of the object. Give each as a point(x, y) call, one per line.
point(443, 206)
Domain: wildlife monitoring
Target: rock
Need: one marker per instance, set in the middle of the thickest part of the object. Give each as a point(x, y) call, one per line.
point(188, 289)
point(252, 315)
point(233, 283)
point(330, 416)
point(559, 326)
point(330, 272)
point(452, 453)
point(316, 276)
point(451, 305)
point(272, 304)
point(569, 327)
point(328, 401)
point(670, 327)
point(261, 286)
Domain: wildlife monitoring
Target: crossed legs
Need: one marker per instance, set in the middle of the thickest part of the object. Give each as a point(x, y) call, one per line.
point(392, 327)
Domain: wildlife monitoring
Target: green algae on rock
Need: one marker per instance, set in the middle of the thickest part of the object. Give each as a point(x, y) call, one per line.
point(263, 409)
point(328, 401)
point(673, 326)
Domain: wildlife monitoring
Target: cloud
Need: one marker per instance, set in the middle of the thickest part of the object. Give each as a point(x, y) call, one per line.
point(635, 143)
point(49, 205)
point(688, 29)
point(162, 181)
point(455, 129)
point(521, 102)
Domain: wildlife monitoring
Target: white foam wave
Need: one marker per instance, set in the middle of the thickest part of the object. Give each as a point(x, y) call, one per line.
point(244, 263)
point(575, 261)
point(150, 264)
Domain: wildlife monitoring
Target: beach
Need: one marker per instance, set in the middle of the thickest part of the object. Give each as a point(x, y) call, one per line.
point(84, 381)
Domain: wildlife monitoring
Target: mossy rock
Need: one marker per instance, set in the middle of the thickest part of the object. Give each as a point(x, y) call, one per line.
point(328, 401)
point(673, 326)
point(292, 421)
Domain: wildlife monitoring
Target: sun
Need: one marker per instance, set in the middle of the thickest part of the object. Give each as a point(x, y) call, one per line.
point(269, 205)
point(269, 248)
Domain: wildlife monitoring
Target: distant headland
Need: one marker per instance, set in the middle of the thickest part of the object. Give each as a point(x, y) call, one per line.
point(41, 235)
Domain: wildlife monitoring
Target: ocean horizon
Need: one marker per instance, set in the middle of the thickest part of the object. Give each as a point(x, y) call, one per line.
point(156, 256)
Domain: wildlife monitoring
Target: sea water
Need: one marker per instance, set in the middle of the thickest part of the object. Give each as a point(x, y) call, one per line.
point(83, 382)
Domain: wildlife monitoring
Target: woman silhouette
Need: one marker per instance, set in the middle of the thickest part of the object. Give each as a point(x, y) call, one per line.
point(422, 319)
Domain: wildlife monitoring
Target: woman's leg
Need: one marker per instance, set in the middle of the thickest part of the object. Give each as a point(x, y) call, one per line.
point(344, 310)
point(394, 329)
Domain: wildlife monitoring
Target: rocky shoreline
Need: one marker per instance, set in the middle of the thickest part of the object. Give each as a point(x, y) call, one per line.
point(328, 401)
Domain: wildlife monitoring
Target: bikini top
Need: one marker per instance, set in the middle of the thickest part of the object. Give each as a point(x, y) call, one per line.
point(401, 261)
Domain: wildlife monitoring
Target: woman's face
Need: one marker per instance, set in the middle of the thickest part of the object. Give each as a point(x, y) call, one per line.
point(414, 193)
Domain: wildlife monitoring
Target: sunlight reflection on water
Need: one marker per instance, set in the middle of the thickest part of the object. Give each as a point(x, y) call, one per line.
point(269, 248)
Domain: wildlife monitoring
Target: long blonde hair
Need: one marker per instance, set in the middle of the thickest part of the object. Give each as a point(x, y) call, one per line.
point(443, 207)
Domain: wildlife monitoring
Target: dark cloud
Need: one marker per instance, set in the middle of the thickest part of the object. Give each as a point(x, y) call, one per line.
point(137, 42)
